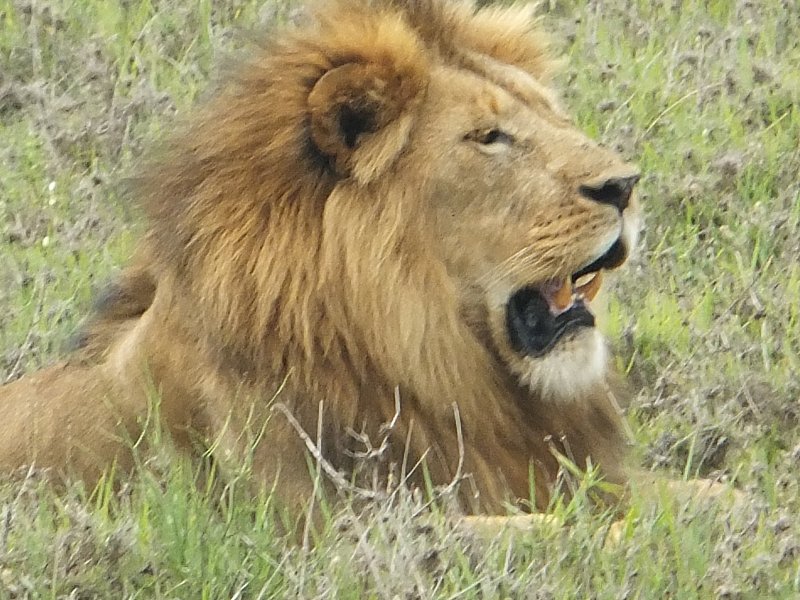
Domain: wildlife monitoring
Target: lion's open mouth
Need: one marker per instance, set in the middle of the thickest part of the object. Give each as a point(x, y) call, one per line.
point(538, 316)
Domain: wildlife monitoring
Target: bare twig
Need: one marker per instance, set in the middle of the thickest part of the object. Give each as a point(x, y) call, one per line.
point(6, 530)
point(13, 372)
point(384, 431)
point(459, 476)
point(313, 499)
point(333, 474)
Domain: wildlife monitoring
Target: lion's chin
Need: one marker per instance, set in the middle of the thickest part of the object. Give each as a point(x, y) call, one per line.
point(561, 358)
point(571, 369)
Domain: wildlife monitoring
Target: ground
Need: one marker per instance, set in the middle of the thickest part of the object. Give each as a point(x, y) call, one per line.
point(702, 94)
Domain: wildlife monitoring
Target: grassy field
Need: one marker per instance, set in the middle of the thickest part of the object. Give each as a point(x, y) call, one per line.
point(703, 94)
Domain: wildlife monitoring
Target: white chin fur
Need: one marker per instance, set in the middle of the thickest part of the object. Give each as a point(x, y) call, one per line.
point(570, 370)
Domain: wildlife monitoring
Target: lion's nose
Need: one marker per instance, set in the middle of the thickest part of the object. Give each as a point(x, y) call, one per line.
point(615, 191)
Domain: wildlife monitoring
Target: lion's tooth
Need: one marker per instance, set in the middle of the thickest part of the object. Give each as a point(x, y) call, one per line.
point(589, 289)
point(562, 298)
point(584, 279)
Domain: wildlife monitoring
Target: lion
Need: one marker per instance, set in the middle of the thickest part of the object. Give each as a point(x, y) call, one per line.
point(384, 215)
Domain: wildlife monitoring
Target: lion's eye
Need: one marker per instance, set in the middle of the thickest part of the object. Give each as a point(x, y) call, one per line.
point(488, 137)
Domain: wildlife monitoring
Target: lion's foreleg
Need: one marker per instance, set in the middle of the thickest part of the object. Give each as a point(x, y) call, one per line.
point(491, 526)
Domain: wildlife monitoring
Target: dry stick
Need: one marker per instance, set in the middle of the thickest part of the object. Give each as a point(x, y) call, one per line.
point(405, 473)
point(335, 476)
point(373, 453)
point(612, 398)
point(370, 452)
point(343, 484)
point(388, 427)
point(6, 531)
point(459, 474)
point(12, 374)
point(312, 500)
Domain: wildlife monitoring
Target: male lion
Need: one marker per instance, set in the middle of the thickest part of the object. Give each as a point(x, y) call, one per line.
point(383, 216)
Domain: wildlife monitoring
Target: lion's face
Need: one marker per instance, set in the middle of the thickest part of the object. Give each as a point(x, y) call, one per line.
point(527, 214)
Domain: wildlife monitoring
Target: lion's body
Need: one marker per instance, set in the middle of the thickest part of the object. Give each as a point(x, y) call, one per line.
point(325, 236)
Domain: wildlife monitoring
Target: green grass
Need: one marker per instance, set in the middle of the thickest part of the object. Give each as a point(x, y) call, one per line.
point(703, 95)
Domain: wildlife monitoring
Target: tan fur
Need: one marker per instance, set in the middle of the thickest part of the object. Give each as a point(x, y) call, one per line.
point(324, 233)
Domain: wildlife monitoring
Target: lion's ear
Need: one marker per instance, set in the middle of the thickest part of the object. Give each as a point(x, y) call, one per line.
point(361, 116)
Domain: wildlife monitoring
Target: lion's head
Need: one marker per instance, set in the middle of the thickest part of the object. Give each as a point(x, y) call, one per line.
point(525, 213)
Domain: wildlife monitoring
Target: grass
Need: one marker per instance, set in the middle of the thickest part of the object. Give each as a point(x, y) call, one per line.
point(703, 95)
